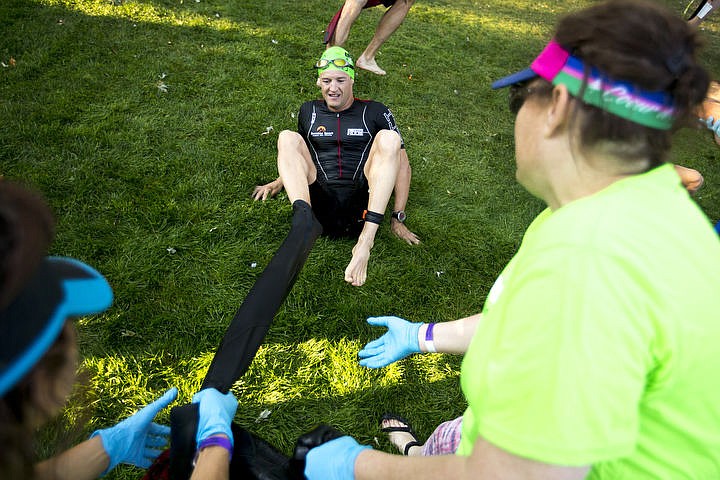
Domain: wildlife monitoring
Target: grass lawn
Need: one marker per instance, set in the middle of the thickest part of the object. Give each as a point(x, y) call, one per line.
point(147, 123)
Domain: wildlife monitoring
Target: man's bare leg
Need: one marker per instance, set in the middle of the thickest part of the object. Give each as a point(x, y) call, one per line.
point(350, 12)
point(381, 171)
point(296, 170)
point(389, 22)
point(709, 6)
point(295, 166)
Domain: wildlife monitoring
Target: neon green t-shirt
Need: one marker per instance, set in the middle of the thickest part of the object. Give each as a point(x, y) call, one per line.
point(600, 341)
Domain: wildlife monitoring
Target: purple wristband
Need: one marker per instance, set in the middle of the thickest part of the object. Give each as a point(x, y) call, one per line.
point(429, 344)
point(216, 441)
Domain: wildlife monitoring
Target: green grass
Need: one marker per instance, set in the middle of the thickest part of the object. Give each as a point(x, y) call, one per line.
point(152, 188)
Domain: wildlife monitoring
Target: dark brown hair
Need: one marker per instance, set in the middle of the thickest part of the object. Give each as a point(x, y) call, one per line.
point(32, 402)
point(645, 44)
point(26, 230)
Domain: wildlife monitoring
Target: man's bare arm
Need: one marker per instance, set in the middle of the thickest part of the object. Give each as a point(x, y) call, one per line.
point(402, 192)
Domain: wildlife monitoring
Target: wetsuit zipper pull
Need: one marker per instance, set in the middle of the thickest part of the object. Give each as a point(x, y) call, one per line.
point(339, 148)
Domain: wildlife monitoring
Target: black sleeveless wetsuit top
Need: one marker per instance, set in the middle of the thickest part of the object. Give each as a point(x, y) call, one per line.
point(339, 142)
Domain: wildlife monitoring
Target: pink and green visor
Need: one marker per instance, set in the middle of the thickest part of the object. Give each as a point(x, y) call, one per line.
point(628, 101)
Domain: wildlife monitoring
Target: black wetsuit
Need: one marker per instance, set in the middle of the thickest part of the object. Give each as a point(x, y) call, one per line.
point(339, 145)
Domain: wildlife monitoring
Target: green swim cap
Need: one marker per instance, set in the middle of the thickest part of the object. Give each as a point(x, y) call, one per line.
point(336, 58)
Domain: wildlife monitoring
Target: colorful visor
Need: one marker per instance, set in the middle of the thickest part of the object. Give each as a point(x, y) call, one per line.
point(556, 65)
point(336, 58)
point(61, 288)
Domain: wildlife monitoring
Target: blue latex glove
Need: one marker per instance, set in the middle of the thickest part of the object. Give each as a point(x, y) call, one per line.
point(137, 440)
point(216, 413)
point(334, 460)
point(713, 125)
point(398, 342)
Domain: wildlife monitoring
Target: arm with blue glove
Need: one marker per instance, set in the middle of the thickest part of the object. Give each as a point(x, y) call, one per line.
point(345, 459)
point(404, 338)
point(713, 125)
point(214, 438)
point(334, 460)
point(137, 440)
point(400, 340)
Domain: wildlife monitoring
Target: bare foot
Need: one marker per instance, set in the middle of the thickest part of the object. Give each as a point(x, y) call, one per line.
point(401, 439)
point(370, 65)
point(356, 271)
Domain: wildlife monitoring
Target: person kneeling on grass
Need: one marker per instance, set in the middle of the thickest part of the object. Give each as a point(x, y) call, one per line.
point(708, 116)
point(38, 359)
point(345, 160)
point(709, 111)
point(596, 352)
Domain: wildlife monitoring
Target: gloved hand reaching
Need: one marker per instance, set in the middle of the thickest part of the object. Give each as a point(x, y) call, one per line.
point(137, 440)
point(334, 460)
point(398, 342)
point(216, 412)
point(713, 125)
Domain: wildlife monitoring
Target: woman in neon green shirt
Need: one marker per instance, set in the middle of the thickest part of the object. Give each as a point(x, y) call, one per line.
point(595, 356)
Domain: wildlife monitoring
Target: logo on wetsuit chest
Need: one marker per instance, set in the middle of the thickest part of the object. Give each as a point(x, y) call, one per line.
point(355, 132)
point(321, 131)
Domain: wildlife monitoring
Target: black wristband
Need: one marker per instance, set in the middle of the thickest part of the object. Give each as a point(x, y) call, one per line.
point(373, 217)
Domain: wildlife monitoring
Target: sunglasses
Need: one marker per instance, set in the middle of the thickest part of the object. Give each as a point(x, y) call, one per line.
point(517, 95)
point(520, 92)
point(338, 62)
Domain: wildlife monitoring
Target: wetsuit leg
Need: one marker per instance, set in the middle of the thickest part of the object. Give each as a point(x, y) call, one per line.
point(246, 331)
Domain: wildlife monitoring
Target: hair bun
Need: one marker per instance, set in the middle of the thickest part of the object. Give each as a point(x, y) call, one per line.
point(677, 63)
point(26, 230)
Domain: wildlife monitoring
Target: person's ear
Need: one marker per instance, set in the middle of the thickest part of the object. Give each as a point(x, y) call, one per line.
point(558, 110)
point(317, 82)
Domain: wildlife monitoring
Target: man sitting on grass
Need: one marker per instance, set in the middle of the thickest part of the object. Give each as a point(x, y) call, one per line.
point(345, 160)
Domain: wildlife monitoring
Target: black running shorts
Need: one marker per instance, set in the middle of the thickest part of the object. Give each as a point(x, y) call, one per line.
point(339, 210)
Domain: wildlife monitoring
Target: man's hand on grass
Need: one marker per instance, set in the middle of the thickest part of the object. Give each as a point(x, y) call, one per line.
point(262, 192)
point(403, 233)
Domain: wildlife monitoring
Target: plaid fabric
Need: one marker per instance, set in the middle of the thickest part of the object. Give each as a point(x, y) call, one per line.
point(445, 439)
point(160, 469)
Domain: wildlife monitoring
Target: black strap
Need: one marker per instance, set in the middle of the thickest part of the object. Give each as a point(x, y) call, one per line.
point(409, 445)
point(373, 217)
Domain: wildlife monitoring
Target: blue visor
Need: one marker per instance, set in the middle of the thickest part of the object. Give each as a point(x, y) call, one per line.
point(60, 289)
point(518, 77)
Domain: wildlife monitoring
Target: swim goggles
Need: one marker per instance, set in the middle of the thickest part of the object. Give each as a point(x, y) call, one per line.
point(324, 63)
